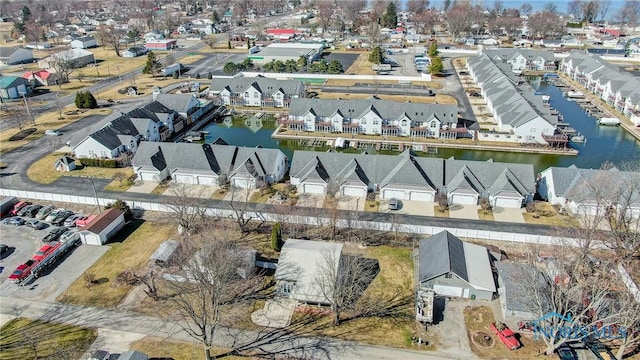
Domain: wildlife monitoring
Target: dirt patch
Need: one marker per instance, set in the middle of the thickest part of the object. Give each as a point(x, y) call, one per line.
point(482, 339)
point(21, 135)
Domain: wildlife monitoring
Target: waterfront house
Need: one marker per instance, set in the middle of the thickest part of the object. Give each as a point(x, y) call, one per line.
point(411, 178)
point(591, 192)
point(521, 115)
point(452, 267)
point(304, 266)
point(522, 59)
point(373, 116)
point(15, 55)
point(207, 164)
point(256, 91)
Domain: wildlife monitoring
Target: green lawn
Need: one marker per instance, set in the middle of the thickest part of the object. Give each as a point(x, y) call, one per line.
point(33, 339)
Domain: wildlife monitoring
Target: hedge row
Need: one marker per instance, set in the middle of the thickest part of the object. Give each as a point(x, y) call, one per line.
point(106, 163)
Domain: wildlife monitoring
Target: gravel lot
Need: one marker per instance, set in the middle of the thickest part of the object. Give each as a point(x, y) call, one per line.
point(24, 242)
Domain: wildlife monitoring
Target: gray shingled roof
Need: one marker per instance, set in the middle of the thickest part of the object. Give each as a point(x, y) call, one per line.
point(265, 85)
point(516, 280)
point(6, 52)
point(529, 54)
point(491, 177)
point(576, 183)
point(440, 254)
point(177, 102)
point(388, 110)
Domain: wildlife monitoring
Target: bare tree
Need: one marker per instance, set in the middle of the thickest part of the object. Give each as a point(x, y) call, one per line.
point(574, 8)
point(17, 117)
point(458, 19)
point(148, 278)
point(590, 10)
point(426, 21)
point(110, 35)
point(526, 9)
point(628, 319)
point(343, 279)
point(325, 12)
point(63, 65)
point(545, 23)
point(351, 9)
point(188, 208)
point(240, 205)
point(417, 6)
point(215, 275)
point(629, 14)
point(604, 8)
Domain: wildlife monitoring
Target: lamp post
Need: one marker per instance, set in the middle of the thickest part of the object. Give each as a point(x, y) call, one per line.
point(26, 104)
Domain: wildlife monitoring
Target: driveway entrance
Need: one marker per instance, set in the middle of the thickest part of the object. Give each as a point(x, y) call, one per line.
point(276, 313)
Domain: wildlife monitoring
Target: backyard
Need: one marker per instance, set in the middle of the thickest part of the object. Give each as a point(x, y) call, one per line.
point(43, 172)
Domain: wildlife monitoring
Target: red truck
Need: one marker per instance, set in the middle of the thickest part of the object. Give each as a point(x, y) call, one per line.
point(505, 334)
point(45, 250)
point(22, 271)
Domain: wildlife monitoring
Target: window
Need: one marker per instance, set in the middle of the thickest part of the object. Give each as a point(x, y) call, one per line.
point(286, 288)
point(375, 122)
point(255, 95)
point(433, 124)
point(404, 123)
point(448, 276)
point(246, 94)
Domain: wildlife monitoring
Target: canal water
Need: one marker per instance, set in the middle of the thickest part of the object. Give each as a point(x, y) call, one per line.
point(603, 143)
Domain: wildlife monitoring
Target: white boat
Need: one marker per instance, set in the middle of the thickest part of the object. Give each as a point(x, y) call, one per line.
point(575, 94)
point(609, 121)
point(577, 139)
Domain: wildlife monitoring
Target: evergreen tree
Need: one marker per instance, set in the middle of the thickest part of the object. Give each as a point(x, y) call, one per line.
point(209, 75)
point(335, 67)
point(433, 49)
point(302, 63)
point(390, 17)
point(230, 68)
point(376, 56)
point(122, 206)
point(79, 99)
point(198, 75)
point(152, 66)
point(215, 17)
point(25, 14)
point(276, 237)
point(436, 66)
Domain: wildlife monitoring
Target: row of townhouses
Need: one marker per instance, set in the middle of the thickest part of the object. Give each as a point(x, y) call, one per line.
point(122, 134)
point(598, 76)
point(521, 115)
point(521, 60)
point(257, 91)
point(374, 116)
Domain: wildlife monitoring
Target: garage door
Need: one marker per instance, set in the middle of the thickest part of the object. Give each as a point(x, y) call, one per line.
point(444, 290)
point(184, 179)
point(393, 193)
point(505, 202)
point(464, 199)
point(207, 180)
point(148, 176)
point(243, 183)
point(421, 196)
point(354, 191)
point(313, 189)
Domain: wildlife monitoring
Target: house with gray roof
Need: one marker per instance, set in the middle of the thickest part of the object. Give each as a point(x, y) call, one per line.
point(412, 178)
point(184, 104)
point(303, 266)
point(452, 267)
point(515, 287)
point(207, 164)
point(374, 116)
point(521, 115)
point(523, 59)
point(15, 55)
point(153, 122)
point(256, 91)
point(591, 191)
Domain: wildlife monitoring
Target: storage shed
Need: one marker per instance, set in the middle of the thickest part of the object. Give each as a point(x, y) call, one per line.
point(103, 227)
point(164, 253)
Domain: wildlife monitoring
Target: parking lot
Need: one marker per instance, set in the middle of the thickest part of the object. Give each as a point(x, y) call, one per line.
point(24, 242)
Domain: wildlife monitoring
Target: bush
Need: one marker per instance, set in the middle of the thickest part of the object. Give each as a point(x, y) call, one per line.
point(122, 206)
point(85, 100)
point(106, 163)
point(276, 237)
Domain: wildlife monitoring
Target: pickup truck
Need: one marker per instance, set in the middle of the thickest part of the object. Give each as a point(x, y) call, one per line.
point(22, 271)
point(505, 334)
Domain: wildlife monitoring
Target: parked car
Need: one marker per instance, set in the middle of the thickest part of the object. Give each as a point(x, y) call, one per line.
point(22, 271)
point(394, 204)
point(32, 210)
point(565, 352)
point(16, 221)
point(36, 224)
point(70, 235)
point(464, 73)
point(505, 334)
point(71, 220)
point(62, 216)
point(54, 214)
point(19, 206)
point(52, 133)
point(430, 93)
point(24, 209)
point(44, 212)
point(44, 251)
point(3, 248)
point(54, 234)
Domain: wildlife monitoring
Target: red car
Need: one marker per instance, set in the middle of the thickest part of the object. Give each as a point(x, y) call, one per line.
point(19, 206)
point(505, 334)
point(22, 271)
point(45, 250)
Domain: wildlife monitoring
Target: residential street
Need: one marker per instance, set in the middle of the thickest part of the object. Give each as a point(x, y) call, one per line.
point(267, 343)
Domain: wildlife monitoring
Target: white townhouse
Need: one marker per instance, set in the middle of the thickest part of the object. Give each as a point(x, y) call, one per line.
point(512, 102)
point(373, 116)
point(255, 92)
point(521, 59)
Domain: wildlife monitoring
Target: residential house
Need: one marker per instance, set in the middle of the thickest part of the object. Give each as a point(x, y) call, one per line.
point(184, 104)
point(77, 57)
point(373, 116)
point(304, 266)
point(13, 87)
point(207, 164)
point(590, 191)
point(521, 115)
point(153, 36)
point(521, 59)
point(38, 46)
point(65, 163)
point(103, 227)
point(570, 41)
point(15, 55)
point(153, 122)
point(70, 37)
point(410, 178)
point(134, 51)
point(84, 42)
point(41, 78)
point(515, 286)
point(257, 91)
point(452, 267)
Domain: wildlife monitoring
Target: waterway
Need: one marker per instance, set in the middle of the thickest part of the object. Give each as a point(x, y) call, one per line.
point(604, 144)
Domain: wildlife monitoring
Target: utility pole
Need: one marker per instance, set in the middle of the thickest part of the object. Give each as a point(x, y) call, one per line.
point(95, 193)
point(26, 104)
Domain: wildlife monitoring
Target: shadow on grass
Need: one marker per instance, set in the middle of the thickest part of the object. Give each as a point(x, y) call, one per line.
point(127, 230)
point(23, 134)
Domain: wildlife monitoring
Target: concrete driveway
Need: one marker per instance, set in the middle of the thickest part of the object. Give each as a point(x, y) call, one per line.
point(113, 341)
point(311, 200)
point(408, 207)
point(509, 215)
point(469, 212)
point(238, 194)
point(275, 314)
point(351, 203)
point(196, 191)
point(143, 187)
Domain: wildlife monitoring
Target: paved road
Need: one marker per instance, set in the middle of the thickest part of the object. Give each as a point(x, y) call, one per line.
point(267, 342)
